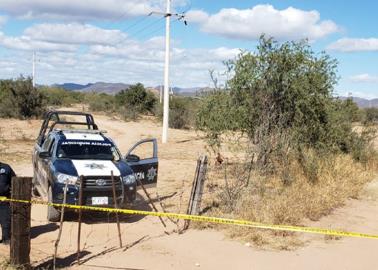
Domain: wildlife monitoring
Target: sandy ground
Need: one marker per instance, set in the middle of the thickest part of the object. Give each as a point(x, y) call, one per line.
point(147, 246)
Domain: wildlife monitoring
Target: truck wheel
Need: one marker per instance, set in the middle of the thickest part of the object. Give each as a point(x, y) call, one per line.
point(34, 189)
point(53, 215)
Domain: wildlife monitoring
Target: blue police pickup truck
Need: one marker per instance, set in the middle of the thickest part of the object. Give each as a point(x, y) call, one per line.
point(88, 162)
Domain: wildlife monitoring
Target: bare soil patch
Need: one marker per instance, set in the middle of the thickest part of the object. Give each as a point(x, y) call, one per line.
point(148, 247)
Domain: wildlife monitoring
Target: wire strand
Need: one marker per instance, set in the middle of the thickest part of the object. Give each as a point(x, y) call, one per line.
point(157, 29)
point(135, 23)
point(137, 33)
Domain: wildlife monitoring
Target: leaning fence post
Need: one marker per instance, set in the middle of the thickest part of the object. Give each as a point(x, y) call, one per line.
point(197, 189)
point(150, 201)
point(20, 223)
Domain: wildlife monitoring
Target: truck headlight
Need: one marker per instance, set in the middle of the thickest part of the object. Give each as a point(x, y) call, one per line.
point(63, 178)
point(128, 179)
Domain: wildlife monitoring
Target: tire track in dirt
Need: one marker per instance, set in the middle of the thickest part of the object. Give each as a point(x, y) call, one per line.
point(150, 248)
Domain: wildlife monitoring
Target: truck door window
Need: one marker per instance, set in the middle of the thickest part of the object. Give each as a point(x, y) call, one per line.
point(51, 147)
point(144, 150)
point(46, 145)
point(115, 153)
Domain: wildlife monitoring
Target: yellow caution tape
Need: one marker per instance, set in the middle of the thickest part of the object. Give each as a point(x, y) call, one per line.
point(244, 223)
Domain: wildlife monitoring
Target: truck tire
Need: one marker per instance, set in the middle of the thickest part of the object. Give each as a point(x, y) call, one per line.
point(35, 192)
point(53, 215)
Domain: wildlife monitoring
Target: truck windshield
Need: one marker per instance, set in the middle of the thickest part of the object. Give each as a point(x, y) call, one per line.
point(87, 150)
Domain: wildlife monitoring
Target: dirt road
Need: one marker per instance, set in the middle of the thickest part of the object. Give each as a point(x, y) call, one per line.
point(147, 245)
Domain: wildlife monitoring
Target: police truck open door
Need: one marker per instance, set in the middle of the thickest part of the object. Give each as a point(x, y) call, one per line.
point(145, 167)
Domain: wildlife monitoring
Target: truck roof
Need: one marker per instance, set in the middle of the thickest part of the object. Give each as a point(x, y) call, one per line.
point(53, 118)
point(81, 135)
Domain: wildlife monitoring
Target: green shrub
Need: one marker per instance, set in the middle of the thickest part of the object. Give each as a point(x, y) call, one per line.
point(371, 115)
point(182, 112)
point(297, 156)
point(61, 97)
point(283, 92)
point(100, 102)
point(18, 98)
point(136, 99)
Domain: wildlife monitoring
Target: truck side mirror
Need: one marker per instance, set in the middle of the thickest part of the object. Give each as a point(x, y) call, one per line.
point(132, 158)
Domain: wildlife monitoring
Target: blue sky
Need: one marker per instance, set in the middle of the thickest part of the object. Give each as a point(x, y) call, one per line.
point(115, 41)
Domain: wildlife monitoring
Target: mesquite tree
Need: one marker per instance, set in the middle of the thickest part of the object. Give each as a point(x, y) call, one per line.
point(281, 98)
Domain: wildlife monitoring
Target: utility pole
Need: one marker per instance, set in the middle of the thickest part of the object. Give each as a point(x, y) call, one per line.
point(161, 93)
point(167, 16)
point(33, 75)
point(166, 73)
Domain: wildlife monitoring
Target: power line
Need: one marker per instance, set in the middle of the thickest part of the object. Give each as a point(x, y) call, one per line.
point(147, 26)
point(155, 30)
point(136, 23)
point(180, 16)
point(123, 14)
point(135, 34)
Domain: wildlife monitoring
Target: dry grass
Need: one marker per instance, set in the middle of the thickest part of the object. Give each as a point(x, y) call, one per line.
point(268, 199)
point(5, 264)
point(16, 142)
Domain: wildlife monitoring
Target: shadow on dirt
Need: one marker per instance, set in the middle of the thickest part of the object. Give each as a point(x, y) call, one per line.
point(110, 250)
point(162, 198)
point(111, 267)
point(61, 262)
point(93, 217)
point(36, 231)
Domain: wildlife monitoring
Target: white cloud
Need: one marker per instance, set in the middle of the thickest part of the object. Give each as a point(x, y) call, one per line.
point(61, 37)
point(144, 60)
point(189, 68)
point(129, 61)
point(354, 44)
point(290, 23)
point(28, 44)
point(152, 50)
point(364, 78)
point(82, 9)
point(74, 33)
point(197, 16)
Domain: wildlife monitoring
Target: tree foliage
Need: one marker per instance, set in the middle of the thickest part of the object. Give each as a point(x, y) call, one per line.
point(61, 97)
point(100, 102)
point(18, 98)
point(137, 99)
point(281, 98)
point(371, 115)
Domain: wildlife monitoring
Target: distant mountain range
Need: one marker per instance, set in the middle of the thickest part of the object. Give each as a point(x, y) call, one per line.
point(72, 86)
point(113, 88)
point(188, 92)
point(98, 87)
point(364, 103)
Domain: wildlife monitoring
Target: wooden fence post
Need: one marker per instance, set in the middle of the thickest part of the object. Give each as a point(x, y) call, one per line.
point(116, 207)
point(195, 199)
point(82, 179)
point(20, 223)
